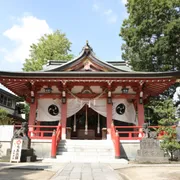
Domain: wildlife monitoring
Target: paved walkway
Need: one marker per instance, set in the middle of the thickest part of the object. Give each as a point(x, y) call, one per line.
point(61, 171)
point(86, 171)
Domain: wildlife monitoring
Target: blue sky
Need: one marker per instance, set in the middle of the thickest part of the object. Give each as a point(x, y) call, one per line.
point(23, 22)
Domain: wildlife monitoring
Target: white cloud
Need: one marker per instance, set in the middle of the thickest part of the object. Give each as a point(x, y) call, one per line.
point(3, 50)
point(22, 34)
point(108, 12)
point(95, 7)
point(112, 19)
point(124, 1)
point(110, 16)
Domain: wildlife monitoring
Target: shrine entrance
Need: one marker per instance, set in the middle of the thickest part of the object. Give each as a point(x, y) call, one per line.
point(86, 124)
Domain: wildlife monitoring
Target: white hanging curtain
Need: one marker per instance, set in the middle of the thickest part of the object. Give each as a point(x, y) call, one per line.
point(123, 110)
point(74, 105)
point(100, 106)
point(49, 110)
point(47, 113)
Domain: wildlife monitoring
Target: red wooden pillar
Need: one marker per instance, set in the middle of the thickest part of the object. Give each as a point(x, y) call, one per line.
point(109, 119)
point(63, 119)
point(32, 114)
point(140, 107)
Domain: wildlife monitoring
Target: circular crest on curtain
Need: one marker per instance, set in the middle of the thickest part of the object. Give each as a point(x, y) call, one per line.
point(120, 109)
point(53, 110)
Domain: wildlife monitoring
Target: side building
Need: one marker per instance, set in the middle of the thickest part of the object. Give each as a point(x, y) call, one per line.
point(10, 103)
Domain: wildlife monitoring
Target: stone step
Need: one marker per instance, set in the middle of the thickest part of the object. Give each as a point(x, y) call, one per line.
point(85, 153)
point(85, 142)
point(84, 160)
point(84, 146)
point(81, 149)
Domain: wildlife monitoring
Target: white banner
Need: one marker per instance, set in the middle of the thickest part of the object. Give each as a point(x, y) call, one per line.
point(123, 111)
point(49, 110)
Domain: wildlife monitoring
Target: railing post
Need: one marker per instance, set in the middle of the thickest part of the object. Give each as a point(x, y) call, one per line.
point(117, 146)
point(53, 145)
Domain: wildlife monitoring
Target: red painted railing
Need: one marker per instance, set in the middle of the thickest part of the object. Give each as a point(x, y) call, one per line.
point(58, 135)
point(125, 132)
point(39, 132)
point(116, 141)
point(132, 132)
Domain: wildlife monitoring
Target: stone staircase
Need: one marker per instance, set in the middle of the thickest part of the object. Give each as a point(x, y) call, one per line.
point(85, 151)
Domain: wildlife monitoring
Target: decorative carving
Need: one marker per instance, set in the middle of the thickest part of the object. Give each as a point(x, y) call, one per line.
point(87, 90)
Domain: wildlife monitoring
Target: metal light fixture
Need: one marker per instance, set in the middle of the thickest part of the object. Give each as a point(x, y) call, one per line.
point(125, 90)
point(141, 97)
point(64, 97)
point(32, 97)
point(109, 99)
point(48, 89)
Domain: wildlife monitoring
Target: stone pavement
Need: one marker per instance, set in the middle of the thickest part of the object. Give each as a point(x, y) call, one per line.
point(61, 171)
point(86, 171)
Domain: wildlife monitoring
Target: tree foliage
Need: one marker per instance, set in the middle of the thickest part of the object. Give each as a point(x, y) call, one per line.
point(151, 35)
point(167, 120)
point(53, 46)
point(4, 119)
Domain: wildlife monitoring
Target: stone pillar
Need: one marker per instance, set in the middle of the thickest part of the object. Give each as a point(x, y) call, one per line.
point(140, 108)
point(63, 119)
point(109, 119)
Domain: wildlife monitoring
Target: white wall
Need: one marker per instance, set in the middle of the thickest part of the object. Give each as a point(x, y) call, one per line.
point(6, 132)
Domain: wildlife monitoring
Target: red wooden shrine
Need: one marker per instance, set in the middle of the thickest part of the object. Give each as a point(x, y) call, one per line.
point(87, 80)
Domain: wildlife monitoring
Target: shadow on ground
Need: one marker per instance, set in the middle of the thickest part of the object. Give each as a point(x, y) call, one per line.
point(26, 173)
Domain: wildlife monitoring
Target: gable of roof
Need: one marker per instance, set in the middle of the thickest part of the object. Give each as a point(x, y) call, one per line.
point(86, 61)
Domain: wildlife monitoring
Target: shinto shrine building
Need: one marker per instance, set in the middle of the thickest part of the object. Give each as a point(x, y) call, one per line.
point(85, 95)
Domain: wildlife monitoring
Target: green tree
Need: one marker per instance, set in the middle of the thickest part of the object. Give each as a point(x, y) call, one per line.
point(4, 119)
point(53, 46)
point(151, 35)
point(167, 120)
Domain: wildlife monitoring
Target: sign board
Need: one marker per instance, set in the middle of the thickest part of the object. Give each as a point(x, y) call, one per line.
point(16, 150)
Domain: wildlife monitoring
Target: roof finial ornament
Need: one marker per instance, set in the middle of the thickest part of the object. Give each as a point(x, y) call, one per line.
point(87, 48)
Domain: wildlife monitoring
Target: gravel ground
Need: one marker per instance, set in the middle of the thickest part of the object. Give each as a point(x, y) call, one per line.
point(150, 173)
point(24, 174)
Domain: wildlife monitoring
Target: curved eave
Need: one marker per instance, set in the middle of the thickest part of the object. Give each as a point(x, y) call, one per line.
point(84, 74)
point(83, 55)
point(154, 83)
